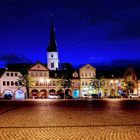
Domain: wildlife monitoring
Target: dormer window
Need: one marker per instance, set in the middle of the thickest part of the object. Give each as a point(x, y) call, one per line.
point(75, 74)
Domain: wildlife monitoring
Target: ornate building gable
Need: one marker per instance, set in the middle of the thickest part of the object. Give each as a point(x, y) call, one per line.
point(75, 74)
point(38, 67)
point(87, 71)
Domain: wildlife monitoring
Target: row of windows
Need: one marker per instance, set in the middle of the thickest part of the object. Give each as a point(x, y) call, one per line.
point(41, 74)
point(11, 74)
point(105, 83)
point(51, 83)
point(86, 74)
point(84, 83)
point(10, 83)
point(76, 83)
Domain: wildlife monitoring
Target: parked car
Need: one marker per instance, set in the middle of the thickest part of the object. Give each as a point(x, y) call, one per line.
point(94, 95)
point(54, 96)
point(8, 96)
point(132, 95)
point(68, 96)
point(86, 96)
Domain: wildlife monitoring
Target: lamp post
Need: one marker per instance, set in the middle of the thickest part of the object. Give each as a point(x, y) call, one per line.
point(48, 81)
point(113, 83)
point(42, 83)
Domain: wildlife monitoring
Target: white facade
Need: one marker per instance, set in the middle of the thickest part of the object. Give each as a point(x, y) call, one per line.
point(87, 72)
point(9, 85)
point(53, 61)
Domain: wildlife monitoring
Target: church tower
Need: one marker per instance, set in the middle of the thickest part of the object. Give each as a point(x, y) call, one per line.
point(52, 52)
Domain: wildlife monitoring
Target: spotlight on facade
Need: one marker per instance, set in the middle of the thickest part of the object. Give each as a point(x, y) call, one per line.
point(41, 80)
point(48, 80)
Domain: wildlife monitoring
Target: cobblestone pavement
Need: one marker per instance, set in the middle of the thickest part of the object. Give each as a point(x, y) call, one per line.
point(70, 120)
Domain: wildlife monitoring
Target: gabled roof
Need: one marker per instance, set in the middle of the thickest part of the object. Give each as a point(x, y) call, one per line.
point(52, 47)
point(61, 73)
point(38, 66)
point(86, 66)
point(2, 70)
point(22, 68)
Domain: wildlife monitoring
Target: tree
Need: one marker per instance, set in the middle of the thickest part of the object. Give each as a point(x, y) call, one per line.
point(27, 82)
point(97, 84)
point(66, 83)
point(130, 80)
point(128, 84)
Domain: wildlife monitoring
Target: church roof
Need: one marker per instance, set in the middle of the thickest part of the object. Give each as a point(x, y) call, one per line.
point(52, 47)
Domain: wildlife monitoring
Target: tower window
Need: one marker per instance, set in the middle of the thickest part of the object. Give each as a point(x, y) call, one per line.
point(51, 55)
point(52, 65)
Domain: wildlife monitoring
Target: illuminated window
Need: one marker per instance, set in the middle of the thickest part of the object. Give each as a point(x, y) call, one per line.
point(53, 83)
point(75, 74)
point(36, 73)
point(37, 83)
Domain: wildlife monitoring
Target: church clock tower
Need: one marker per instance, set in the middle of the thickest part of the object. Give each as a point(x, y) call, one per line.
point(52, 52)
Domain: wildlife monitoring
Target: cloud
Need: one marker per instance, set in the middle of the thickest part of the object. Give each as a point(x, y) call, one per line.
point(12, 58)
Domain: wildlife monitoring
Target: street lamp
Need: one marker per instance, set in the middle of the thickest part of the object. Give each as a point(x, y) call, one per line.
point(48, 81)
point(114, 83)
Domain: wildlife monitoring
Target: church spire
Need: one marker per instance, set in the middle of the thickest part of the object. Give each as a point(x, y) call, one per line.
point(52, 43)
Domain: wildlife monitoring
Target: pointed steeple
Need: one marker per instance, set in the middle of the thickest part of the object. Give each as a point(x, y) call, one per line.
point(52, 47)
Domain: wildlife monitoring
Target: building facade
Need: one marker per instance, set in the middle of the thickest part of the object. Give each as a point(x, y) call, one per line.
point(46, 79)
point(10, 87)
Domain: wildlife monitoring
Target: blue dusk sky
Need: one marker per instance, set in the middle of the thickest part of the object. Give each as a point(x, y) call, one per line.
point(87, 31)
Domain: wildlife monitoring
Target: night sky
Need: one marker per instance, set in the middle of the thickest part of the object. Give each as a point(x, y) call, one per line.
point(87, 31)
